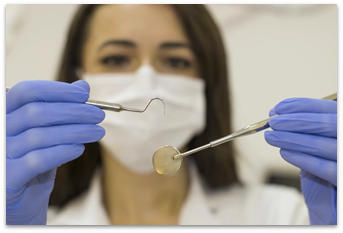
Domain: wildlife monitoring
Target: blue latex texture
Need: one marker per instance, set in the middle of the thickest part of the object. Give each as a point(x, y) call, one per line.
point(306, 131)
point(47, 124)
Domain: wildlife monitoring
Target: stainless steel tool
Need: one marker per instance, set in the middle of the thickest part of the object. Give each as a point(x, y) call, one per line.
point(118, 107)
point(167, 160)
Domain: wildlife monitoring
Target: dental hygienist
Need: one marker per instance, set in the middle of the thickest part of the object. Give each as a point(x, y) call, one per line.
point(68, 164)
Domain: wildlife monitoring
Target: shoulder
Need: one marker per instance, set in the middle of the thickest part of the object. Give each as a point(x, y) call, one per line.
point(87, 209)
point(71, 214)
point(258, 204)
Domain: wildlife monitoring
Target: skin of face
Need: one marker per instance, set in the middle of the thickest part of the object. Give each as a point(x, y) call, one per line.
point(120, 39)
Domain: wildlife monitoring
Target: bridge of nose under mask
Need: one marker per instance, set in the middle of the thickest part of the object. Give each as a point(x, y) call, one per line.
point(146, 78)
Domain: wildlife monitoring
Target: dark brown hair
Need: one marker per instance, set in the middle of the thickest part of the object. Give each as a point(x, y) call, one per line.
point(216, 166)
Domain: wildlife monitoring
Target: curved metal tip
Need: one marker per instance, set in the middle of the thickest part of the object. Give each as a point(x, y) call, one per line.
point(146, 106)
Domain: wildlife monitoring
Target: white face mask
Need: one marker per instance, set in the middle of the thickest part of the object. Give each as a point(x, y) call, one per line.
point(132, 138)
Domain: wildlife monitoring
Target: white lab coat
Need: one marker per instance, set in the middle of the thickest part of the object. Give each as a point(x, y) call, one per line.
point(237, 205)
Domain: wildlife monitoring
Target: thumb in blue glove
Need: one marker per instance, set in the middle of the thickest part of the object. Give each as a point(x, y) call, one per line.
point(306, 131)
point(46, 125)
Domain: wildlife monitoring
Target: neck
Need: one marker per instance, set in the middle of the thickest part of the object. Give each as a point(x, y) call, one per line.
point(136, 199)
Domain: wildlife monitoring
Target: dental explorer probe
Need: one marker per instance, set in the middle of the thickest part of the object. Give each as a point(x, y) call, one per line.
point(118, 107)
point(167, 160)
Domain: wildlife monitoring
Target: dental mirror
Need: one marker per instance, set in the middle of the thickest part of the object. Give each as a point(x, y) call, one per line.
point(164, 162)
point(167, 160)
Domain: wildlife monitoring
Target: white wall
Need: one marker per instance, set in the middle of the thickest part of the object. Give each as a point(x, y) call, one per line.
point(275, 53)
point(38, 43)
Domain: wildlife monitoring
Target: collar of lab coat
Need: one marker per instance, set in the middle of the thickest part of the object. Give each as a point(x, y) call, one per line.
point(89, 208)
point(195, 210)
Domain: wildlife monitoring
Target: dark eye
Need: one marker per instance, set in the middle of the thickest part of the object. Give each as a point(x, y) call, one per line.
point(116, 60)
point(177, 62)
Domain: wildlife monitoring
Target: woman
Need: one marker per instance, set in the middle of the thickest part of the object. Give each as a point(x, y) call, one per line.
point(128, 54)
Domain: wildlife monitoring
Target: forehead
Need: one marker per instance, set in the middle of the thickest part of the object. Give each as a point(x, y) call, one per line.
point(140, 23)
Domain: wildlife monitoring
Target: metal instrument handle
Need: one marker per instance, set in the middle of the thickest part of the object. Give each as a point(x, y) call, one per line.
point(247, 130)
point(105, 105)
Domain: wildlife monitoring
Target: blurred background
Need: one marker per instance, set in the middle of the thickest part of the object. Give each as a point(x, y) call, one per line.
point(275, 52)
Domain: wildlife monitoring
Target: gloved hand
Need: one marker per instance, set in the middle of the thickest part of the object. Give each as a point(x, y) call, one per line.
point(306, 132)
point(46, 126)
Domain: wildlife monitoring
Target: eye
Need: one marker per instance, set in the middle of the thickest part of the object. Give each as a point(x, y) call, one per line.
point(177, 62)
point(116, 60)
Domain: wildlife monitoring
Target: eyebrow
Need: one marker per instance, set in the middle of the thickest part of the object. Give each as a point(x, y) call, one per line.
point(126, 43)
point(131, 44)
point(169, 45)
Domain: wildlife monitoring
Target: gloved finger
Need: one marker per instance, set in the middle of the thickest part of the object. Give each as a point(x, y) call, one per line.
point(272, 112)
point(306, 105)
point(83, 84)
point(20, 171)
point(43, 91)
point(309, 123)
point(323, 168)
point(39, 138)
point(42, 114)
point(323, 147)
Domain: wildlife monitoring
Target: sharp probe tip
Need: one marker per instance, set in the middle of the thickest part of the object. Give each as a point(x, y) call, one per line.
point(147, 105)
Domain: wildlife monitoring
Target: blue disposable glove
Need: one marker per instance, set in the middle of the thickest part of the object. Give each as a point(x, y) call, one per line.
point(47, 123)
point(306, 132)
